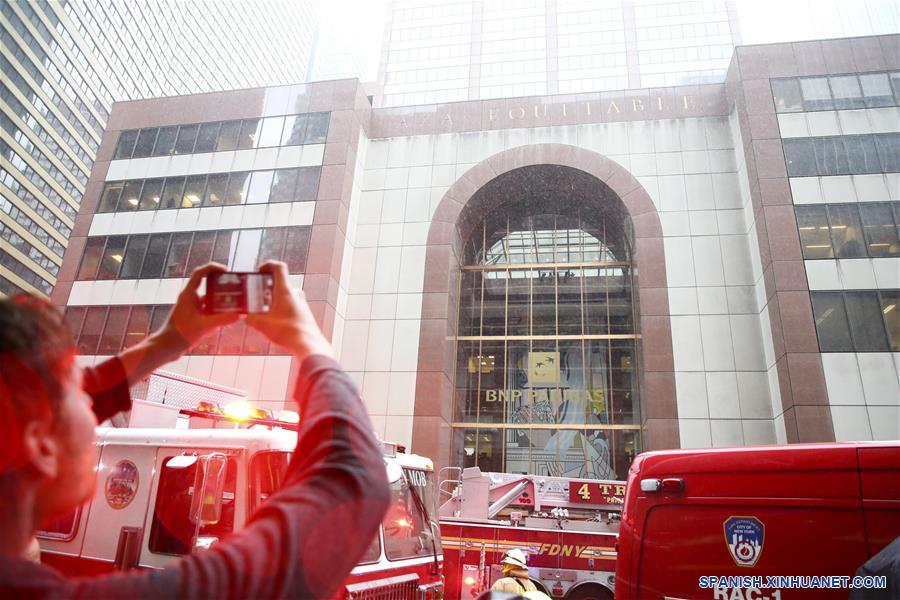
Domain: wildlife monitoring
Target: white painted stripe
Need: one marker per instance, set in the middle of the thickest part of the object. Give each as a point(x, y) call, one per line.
point(310, 155)
point(248, 216)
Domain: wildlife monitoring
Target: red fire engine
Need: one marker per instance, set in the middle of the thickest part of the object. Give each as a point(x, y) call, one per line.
point(194, 477)
point(567, 526)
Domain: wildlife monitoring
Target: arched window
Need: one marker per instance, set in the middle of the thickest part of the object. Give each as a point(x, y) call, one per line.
point(547, 373)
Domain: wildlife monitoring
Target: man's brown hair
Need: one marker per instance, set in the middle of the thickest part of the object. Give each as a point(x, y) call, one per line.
point(36, 357)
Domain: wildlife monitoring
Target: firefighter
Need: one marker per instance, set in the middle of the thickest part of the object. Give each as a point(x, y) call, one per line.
point(515, 573)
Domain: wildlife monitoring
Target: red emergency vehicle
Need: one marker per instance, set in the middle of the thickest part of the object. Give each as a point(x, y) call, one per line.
point(567, 526)
point(166, 492)
point(803, 514)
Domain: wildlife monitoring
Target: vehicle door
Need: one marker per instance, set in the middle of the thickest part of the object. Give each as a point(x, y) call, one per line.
point(170, 530)
point(124, 482)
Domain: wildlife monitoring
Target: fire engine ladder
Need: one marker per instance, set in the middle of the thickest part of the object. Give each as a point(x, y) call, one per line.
point(475, 498)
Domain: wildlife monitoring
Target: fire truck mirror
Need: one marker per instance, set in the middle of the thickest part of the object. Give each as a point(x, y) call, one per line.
point(209, 489)
point(394, 470)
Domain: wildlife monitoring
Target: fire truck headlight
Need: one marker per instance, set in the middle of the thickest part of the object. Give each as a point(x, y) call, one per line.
point(470, 580)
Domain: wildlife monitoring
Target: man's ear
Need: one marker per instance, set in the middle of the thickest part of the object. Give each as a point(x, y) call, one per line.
point(40, 448)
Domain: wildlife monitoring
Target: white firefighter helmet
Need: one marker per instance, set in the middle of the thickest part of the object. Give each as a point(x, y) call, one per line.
point(515, 557)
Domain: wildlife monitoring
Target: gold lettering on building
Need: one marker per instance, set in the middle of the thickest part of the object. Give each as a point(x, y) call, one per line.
point(492, 113)
point(688, 102)
point(541, 110)
point(637, 104)
point(613, 105)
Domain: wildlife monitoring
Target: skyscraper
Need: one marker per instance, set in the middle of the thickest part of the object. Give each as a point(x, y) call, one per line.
point(65, 63)
point(449, 51)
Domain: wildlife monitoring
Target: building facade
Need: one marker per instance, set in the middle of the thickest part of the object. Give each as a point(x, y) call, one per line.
point(64, 63)
point(547, 284)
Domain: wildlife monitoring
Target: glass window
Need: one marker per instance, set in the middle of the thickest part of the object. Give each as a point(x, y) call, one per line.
point(877, 90)
point(156, 255)
point(201, 250)
point(90, 259)
point(249, 134)
point(409, 527)
point(272, 244)
point(194, 187)
point(109, 199)
point(74, 316)
point(187, 136)
point(881, 233)
point(114, 331)
point(125, 145)
point(216, 189)
point(260, 185)
point(890, 299)
point(62, 527)
point(307, 183)
point(846, 92)
point(815, 235)
point(172, 531)
point(801, 160)
point(294, 130)
point(787, 95)
point(816, 94)
point(866, 324)
point(159, 318)
point(267, 470)
point(228, 136)
point(207, 137)
point(861, 154)
point(145, 142)
point(831, 156)
point(223, 249)
point(316, 128)
point(846, 231)
point(138, 325)
point(150, 196)
point(134, 257)
point(173, 191)
point(296, 248)
point(178, 255)
point(112, 257)
point(165, 142)
point(130, 197)
point(831, 322)
point(888, 145)
point(237, 188)
point(255, 343)
point(247, 250)
point(895, 84)
point(283, 185)
point(231, 339)
point(89, 339)
point(270, 132)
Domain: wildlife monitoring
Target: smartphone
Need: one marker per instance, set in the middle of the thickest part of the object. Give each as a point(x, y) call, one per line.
point(239, 292)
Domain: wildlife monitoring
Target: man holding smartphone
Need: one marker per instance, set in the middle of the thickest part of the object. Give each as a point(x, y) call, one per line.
point(301, 543)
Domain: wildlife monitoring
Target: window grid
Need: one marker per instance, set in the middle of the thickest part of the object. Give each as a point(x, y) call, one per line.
point(857, 321)
point(168, 255)
point(220, 136)
point(300, 184)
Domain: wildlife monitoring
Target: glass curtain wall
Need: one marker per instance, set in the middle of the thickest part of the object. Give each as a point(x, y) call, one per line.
point(547, 380)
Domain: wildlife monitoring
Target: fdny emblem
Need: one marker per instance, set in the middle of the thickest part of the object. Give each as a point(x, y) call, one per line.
point(744, 537)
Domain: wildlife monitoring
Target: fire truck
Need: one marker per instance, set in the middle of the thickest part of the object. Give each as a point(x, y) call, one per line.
point(568, 527)
point(176, 488)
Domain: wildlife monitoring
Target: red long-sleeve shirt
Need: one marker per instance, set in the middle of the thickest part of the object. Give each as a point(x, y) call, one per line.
point(301, 543)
